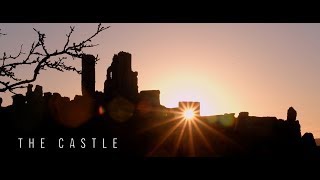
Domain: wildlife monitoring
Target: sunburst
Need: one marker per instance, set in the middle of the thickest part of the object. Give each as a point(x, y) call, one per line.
point(186, 125)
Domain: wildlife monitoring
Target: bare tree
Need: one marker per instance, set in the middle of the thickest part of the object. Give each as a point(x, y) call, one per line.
point(42, 59)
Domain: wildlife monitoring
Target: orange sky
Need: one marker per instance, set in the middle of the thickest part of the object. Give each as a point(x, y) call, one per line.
point(260, 68)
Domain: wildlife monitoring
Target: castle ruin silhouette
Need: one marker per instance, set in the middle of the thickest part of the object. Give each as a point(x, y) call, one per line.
point(140, 121)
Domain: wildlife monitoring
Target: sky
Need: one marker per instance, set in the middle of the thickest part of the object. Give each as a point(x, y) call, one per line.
point(229, 68)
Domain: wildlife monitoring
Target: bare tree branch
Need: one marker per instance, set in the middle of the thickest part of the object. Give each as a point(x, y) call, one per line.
point(68, 37)
point(40, 57)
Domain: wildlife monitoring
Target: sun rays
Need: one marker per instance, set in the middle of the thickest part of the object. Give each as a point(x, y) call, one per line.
point(186, 130)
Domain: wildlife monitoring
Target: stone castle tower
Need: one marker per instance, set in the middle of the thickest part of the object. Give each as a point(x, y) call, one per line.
point(88, 78)
point(121, 80)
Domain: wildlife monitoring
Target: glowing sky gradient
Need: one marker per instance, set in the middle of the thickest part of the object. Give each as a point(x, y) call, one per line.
point(260, 68)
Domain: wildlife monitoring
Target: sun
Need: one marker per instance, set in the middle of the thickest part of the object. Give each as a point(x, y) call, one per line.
point(188, 114)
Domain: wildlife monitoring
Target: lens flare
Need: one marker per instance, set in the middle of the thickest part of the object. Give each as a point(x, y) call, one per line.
point(101, 110)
